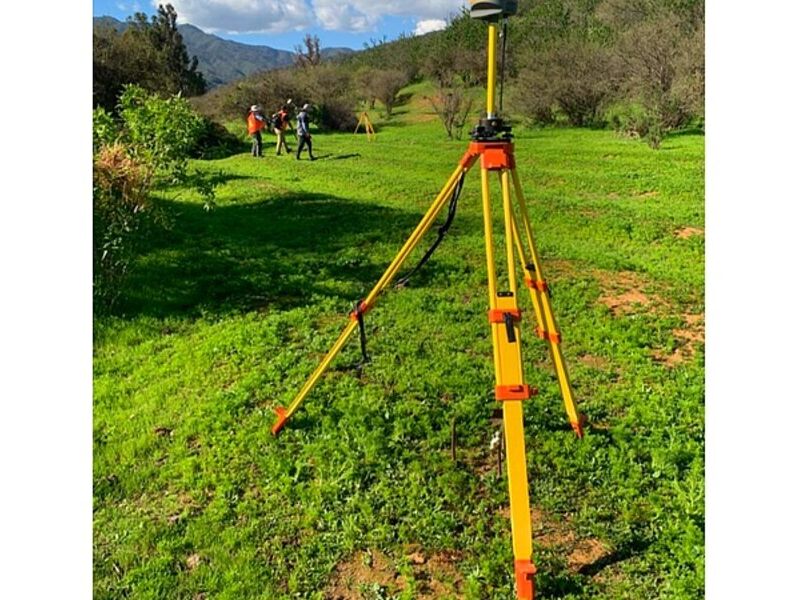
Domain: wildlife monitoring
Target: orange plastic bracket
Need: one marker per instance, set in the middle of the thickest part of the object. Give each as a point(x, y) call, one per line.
point(363, 308)
point(282, 418)
point(497, 315)
point(495, 156)
point(514, 392)
point(578, 427)
point(537, 285)
point(553, 336)
point(525, 572)
point(469, 158)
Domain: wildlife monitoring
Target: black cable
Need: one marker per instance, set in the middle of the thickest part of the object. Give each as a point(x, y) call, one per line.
point(503, 63)
point(451, 213)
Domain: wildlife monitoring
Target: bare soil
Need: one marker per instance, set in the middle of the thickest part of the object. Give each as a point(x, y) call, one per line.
point(688, 232)
point(623, 292)
point(434, 576)
point(689, 339)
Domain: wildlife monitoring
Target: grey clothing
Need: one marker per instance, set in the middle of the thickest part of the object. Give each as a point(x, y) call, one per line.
point(302, 124)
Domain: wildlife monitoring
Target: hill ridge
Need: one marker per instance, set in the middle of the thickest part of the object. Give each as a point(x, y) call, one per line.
point(222, 61)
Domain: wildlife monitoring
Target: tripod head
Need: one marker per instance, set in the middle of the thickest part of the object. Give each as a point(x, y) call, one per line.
point(492, 127)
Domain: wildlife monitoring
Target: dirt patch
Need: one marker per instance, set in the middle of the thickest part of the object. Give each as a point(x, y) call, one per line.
point(193, 561)
point(587, 552)
point(558, 268)
point(559, 535)
point(369, 574)
point(624, 292)
point(688, 232)
point(649, 194)
point(596, 362)
point(689, 339)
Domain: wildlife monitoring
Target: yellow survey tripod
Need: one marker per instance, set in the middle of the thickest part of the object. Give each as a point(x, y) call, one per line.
point(491, 143)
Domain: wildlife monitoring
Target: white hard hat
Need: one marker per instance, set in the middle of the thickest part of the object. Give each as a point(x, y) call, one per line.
point(255, 108)
point(306, 106)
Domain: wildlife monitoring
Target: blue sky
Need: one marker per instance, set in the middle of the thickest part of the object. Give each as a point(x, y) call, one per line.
point(283, 23)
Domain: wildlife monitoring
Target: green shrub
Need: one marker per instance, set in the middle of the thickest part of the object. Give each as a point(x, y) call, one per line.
point(215, 141)
point(160, 132)
point(572, 75)
point(121, 185)
point(105, 129)
point(149, 144)
point(635, 120)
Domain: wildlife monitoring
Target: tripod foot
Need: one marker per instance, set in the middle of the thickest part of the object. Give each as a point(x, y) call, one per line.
point(281, 421)
point(577, 427)
point(525, 571)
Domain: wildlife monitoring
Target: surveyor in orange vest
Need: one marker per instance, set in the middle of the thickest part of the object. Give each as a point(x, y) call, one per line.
point(255, 123)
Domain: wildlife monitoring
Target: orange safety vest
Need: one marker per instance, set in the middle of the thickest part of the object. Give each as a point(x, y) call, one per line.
point(254, 125)
point(283, 122)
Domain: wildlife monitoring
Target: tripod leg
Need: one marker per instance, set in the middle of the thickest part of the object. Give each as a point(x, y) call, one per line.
point(540, 296)
point(284, 414)
point(504, 317)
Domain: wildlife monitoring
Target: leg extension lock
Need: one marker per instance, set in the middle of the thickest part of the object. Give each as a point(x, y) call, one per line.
point(514, 392)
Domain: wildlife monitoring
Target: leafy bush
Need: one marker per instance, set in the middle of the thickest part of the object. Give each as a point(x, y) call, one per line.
point(161, 132)
point(660, 66)
point(149, 144)
point(453, 107)
point(635, 120)
point(215, 141)
point(572, 76)
point(105, 130)
point(328, 87)
point(385, 85)
point(121, 185)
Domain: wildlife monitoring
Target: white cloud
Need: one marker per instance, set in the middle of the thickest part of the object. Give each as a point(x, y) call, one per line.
point(244, 16)
point(365, 15)
point(256, 16)
point(428, 25)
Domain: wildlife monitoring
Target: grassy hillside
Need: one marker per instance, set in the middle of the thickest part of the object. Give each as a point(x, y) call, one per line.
point(227, 312)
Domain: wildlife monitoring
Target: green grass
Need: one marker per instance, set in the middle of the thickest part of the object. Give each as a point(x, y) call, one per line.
point(227, 312)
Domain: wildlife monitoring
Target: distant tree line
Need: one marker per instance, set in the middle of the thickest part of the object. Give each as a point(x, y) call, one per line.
point(148, 53)
point(636, 65)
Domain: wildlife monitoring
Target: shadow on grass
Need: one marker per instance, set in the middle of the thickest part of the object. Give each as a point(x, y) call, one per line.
point(634, 548)
point(273, 254)
point(338, 156)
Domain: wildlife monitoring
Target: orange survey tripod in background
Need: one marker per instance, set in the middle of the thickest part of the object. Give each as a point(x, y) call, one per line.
point(491, 146)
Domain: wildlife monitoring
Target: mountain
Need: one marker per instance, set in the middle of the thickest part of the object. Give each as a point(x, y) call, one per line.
point(222, 61)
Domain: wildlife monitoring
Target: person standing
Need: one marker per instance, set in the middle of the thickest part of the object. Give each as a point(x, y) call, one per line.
point(255, 123)
point(281, 124)
point(303, 133)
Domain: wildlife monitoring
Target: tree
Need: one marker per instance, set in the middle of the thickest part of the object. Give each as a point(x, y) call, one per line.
point(453, 107)
point(309, 56)
point(573, 76)
point(385, 85)
point(149, 53)
point(180, 70)
point(648, 57)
